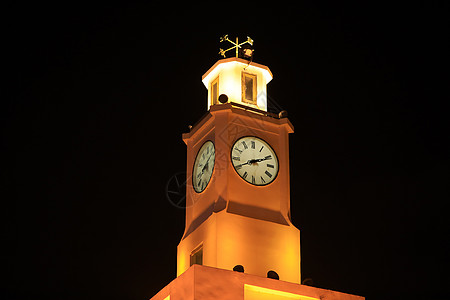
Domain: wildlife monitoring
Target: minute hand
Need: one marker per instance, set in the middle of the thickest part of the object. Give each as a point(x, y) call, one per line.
point(251, 161)
point(261, 159)
point(206, 162)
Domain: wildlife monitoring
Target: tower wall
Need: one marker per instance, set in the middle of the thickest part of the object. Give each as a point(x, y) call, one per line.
point(235, 222)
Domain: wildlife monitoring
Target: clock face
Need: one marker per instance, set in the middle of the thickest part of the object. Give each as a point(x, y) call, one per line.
point(203, 166)
point(254, 160)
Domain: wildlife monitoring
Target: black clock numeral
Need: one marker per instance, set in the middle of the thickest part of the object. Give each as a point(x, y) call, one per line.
point(253, 179)
point(238, 167)
point(270, 166)
point(203, 185)
point(245, 145)
point(236, 158)
point(252, 144)
point(268, 157)
point(199, 182)
point(236, 148)
point(268, 174)
point(261, 148)
point(244, 175)
point(262, 180)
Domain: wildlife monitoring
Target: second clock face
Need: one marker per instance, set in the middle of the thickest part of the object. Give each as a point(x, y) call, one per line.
point(203, 166)
point(254, 160)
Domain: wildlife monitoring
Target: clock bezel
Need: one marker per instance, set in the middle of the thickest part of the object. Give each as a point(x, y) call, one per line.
point(193, 167)
point(271, 147)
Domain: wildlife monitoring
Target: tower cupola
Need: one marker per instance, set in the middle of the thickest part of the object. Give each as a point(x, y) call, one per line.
point(242, 81)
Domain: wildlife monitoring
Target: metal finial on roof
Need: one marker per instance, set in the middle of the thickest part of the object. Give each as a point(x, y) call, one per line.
point(247, 52)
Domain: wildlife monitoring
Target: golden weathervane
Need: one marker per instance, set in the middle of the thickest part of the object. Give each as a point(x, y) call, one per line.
point(246, 52)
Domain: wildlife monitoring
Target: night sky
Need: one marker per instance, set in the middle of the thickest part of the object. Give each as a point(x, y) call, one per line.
point(96, 98)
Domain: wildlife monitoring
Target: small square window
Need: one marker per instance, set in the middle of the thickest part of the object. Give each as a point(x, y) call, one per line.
point(249, 88)
point(197, 256)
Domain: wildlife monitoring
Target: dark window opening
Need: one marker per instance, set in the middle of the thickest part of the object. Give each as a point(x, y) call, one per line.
point(249, 88)
point(273, 275)
point(197, 256)
point(238, 268)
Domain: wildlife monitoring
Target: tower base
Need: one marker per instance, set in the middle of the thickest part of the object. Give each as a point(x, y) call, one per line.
point(206, 283)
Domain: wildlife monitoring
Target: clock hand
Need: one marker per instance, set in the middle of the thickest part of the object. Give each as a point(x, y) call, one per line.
point(262, 159)
point(243, 164)
point(209, 157)
point(251, 161)
point(206, 163)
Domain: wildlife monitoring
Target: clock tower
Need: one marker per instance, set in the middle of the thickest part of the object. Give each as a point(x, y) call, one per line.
point(239, 241)
point(237, 198)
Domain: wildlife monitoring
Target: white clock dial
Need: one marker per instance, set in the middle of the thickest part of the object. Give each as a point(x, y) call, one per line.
point(254, 160)
point(203, 166)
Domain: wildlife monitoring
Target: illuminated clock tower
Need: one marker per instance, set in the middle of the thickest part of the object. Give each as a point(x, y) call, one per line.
point(239, 242)
point(237, 200)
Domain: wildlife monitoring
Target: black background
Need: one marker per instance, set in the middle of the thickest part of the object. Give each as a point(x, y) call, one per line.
point(96, 99)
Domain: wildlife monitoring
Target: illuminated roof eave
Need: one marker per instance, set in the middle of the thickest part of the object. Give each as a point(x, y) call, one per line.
point(265, 70)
